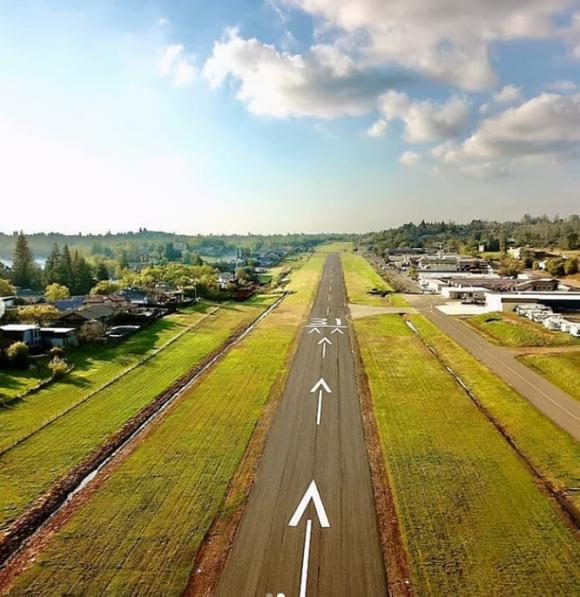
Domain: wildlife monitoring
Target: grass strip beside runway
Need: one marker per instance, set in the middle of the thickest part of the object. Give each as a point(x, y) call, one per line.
point(562, 369)
point(139, 532)
point(552, 451)
point(474, 519)
point(29, 469)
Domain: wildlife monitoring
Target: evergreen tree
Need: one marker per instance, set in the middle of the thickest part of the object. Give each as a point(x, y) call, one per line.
point(102, 272)
point(65, 269)
point(82, 274)
point(24, 270)
point(52, 267)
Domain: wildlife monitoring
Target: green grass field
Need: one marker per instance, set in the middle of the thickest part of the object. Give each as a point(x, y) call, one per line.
point(94, 367)
point(360, 278)
point(28, 469)
point(473, 519)
point(335, 247)
point(562, 369)
point(552, 451)
point(508, 329)
point(15, 382)
point(139, 532)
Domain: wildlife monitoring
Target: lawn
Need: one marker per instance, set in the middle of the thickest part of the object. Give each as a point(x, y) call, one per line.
point(508, 329)
point(562, 369)
point(360, 278)
point(552, 451)
point(473, 519)
point(140, 531)
point(335, 247)
point(95, 366)
point(15, 382)
point(28, 469)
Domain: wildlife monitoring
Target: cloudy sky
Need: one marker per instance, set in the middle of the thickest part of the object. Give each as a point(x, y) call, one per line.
point(286, 115)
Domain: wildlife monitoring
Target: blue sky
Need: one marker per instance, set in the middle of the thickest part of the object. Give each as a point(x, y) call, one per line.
point(286, 115)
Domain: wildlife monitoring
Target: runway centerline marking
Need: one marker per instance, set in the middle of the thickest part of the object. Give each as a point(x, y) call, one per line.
point(324, 341)
point(319, 409)
point(305, 559)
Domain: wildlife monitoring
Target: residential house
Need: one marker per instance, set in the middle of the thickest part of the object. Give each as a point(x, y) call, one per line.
point(77, 317)
point(114, 301)
point(61, 337)
point(22, 332)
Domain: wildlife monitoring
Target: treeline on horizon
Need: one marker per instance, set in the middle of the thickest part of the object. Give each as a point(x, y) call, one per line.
point(530, 231)
point(155, 243)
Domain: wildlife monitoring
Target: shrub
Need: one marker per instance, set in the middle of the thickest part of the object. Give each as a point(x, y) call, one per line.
point(56, 352)
point(59, 367)
point(18, 354)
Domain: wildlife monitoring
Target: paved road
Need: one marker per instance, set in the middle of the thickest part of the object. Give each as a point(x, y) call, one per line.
point(330, 549)
point(544, 395)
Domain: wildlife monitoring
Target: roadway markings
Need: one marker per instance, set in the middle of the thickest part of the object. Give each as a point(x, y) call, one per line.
point(314, 330)
point(324, 341)
point(321, 386)
point(311, 494)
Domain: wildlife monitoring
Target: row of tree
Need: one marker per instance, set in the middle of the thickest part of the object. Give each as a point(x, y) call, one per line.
point(561, 233)
point(63, 268)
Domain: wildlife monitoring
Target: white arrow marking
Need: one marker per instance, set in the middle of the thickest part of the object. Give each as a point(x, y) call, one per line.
point(319, 408)
point(313, 494)
point(314, 330)
point(323, 340)
point(321, 383)
point(337, 330)
point(324, 351)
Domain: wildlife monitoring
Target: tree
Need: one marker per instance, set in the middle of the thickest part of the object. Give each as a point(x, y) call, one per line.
point(555, 267)
point(123, 260)
point(6, 289)
point(104, 287)
point(52, 271)
point(56, 292)
point(65, 268)
point(102, 273)
point(24, 270)
point(18, 354)
point(82, 274)
point(571, 267)
point(91, 331)
point(509, 266)
point(40, 314)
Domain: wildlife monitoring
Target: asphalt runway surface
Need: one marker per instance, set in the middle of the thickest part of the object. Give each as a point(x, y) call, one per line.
point(310, 526)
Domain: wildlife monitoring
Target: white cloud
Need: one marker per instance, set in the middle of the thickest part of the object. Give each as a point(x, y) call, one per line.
point(562, 86)
point(324, 82)
point(378, 128)
point(508, 94)
point(163, 22)
point(174, 63)
point(426, 121)
point(486, 171)
point(545, 125)
point(445, 39)
point(410, 158)
point(543, 130)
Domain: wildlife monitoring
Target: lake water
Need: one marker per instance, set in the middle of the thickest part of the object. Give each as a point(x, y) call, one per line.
point(40, 261)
